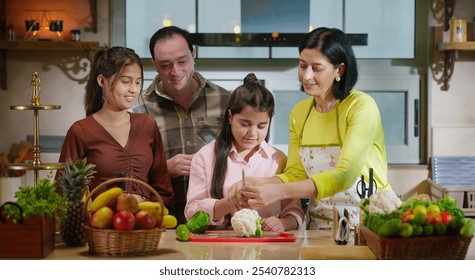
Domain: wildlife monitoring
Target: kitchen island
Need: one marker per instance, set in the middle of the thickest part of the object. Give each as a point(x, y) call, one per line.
point(309, 244)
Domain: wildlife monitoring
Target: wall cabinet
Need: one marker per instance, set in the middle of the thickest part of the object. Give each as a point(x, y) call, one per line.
point(390, 25)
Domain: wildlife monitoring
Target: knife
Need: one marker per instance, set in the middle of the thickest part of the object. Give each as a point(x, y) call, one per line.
point(243, 178)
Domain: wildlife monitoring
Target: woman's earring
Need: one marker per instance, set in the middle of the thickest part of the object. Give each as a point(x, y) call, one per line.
point(337, 78)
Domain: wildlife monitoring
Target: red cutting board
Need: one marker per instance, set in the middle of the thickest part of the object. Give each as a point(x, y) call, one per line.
point(230, 236)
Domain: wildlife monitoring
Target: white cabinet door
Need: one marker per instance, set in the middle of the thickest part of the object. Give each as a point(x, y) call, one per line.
point(326, 13)
point(390, 26)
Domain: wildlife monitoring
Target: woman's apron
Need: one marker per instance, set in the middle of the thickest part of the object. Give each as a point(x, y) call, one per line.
point(317, 159)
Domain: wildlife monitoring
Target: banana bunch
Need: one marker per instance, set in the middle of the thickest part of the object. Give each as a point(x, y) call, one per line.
point(107, 198)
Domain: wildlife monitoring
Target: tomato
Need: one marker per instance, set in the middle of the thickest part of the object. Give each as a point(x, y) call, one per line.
point(419, 219)
point(440, 228)
point(417, 230)
point(433, 218)
point(408, 216)
point(428, 229)
point(420, 209)
point(446, 217)
point(406, 231)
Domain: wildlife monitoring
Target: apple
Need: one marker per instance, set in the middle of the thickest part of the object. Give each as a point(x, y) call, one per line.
point(124, 220)
point(128, 202)
point(145, 220)
point(102, 218)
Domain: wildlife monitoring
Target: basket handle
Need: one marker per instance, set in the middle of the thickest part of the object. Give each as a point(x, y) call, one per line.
point(125, 179)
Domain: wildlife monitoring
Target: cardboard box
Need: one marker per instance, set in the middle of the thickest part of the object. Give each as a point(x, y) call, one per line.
point(34, 238)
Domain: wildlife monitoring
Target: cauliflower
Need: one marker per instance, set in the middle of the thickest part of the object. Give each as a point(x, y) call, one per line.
point(246, 223)
point(384, 202)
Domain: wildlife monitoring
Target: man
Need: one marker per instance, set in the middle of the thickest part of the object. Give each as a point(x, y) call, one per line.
point(187, 107)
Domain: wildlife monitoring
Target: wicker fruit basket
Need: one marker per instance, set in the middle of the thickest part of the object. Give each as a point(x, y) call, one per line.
point(110, 242)
point(416, 248)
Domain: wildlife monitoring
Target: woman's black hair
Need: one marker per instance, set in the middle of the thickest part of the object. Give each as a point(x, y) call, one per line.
point(335, 46)
point(250, 93)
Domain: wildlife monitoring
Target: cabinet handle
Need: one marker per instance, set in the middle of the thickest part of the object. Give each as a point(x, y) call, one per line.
point(416, 117)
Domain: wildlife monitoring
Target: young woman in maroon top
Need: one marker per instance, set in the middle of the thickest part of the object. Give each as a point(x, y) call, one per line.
point(116, 141)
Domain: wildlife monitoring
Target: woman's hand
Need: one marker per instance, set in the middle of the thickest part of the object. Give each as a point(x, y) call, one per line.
point(235, 197)
point(261, 196)
point(272, 224)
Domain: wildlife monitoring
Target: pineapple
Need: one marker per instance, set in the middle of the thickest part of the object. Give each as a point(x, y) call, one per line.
point(74, 182)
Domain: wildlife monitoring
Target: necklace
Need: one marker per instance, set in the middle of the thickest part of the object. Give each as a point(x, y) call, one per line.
point(326, 108)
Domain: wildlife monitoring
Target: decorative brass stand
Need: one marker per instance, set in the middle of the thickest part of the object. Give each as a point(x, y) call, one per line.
point(34, 97)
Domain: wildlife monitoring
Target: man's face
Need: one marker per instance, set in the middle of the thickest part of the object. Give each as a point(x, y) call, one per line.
point(174, 63)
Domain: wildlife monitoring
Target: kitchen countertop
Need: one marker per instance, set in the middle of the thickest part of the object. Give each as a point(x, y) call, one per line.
point(171, 249)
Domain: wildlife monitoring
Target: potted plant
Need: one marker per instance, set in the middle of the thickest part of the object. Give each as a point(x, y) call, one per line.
point(27, 226)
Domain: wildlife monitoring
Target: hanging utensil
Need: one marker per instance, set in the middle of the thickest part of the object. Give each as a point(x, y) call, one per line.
point(361, 188)
point(373, 186)
point(367, 191)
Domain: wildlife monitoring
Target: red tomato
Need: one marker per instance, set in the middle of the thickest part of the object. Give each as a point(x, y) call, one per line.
point(446, 217)
point(408, 216)
point(434, 218)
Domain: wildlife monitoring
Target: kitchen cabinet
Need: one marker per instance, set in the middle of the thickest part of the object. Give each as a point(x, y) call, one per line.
point(145, 17)
point(390, 25)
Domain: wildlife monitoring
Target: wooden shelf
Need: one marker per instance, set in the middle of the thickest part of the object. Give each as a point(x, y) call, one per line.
point(21, 45)
point(456, 46)
point(49, 45)
point(451, 49)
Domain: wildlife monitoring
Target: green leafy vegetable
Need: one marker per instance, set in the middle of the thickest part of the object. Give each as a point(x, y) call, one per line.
point(39, 200)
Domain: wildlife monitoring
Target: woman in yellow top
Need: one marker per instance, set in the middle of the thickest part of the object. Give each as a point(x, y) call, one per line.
point(336, 136)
